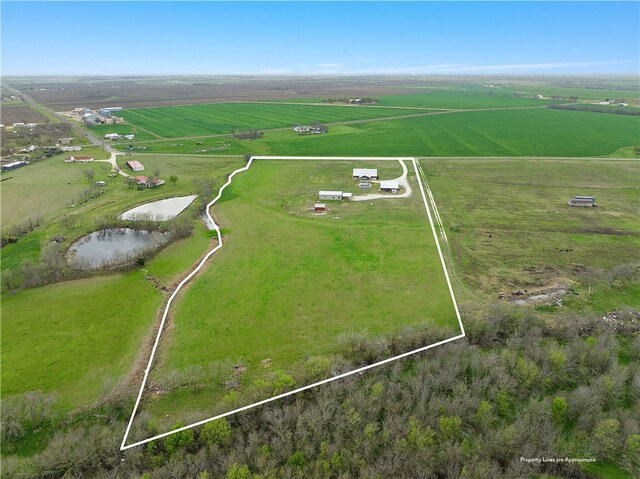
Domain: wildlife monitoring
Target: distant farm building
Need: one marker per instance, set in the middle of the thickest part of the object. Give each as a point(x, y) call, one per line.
point(539, 97)
point(310, 130)
point(145, 182)
point(112, 136)
point(135, 165)
point(129, 137)
point(78, 159)
point(70, 148)
point(104, 112)
point(389, 186)
point(585, 201)
point(101, 183)
point(365, 174)
point(13, 165)
point(333, 195)
point(319, 207)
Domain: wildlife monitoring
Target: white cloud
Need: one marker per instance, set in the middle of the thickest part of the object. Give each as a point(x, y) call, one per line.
point(329, 65)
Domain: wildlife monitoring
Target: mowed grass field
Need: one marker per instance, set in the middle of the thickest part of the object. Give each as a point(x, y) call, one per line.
point(288, 284)
point(529, 132)
point(193, 120)
point(509, 225)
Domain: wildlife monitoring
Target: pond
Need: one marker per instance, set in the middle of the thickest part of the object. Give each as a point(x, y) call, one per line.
point(113, 246)
point(161, 210)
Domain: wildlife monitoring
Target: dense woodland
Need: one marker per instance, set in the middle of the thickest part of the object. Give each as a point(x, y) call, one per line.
point(517, 386)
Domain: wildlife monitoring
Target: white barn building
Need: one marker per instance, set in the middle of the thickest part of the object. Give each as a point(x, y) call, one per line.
point(365, 174)
point(333, 195)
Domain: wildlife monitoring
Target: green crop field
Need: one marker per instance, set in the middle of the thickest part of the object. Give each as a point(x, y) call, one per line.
point(465, 98)
point(531, 132)
point(509, 225)
point(365, 267)
point(193, 120)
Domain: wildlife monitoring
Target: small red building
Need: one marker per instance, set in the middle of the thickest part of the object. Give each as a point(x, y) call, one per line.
point(319, 207)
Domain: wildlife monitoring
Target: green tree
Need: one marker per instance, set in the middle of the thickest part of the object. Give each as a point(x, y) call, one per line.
point(450, 427)
point(238, 471)
point(216, 432)
point(178, 440)
point(173, 179)
point(559, 410)
point(297, 459)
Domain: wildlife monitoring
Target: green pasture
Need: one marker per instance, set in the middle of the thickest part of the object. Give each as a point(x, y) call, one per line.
point(45, 187)
point(509, 225)
point(209, 119)
point(287, 284)
point(60, 338)
point(464, 98)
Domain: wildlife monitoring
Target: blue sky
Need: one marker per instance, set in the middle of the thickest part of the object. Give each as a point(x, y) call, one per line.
point(149, 38)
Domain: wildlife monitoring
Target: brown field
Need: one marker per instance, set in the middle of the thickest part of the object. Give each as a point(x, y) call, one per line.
point(19, 113)
point(140, 92)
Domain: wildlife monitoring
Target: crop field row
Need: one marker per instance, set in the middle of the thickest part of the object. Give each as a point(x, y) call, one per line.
point(178, 121)
point(541, 132)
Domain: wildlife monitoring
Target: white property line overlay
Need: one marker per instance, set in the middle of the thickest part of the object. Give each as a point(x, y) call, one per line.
point(304, 388)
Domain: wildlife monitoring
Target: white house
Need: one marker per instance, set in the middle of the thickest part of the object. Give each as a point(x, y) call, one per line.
point(389, 186)
point(365, 174)
point(112, 136)
point(129, 137)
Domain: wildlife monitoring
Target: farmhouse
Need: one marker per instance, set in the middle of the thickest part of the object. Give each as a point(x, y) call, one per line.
point(389, 186)
point(135, 165)
point(143, 181)
point(365, 174)
point(13, 165)
point(585, 201)
point(313, 130)
point(78, 159)
point(333, 195)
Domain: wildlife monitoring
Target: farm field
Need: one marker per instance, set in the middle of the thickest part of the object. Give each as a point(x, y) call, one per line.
point(194, 120)
point(531, 132)
point(363, 268)
point(101, 130)
point(509, 225)
point(20, 114)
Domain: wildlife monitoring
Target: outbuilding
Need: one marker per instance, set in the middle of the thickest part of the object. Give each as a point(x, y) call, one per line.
point(319, 207)
point(365, 174)
point(13, 165)
point(333, 195)
point(389, 186)
point(135, 165)
point(584, 201)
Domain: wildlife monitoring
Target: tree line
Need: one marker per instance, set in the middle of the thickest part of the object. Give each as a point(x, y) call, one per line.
point(516, 387)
